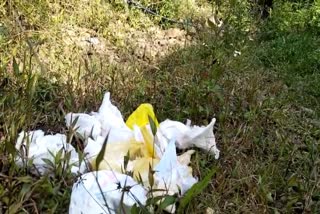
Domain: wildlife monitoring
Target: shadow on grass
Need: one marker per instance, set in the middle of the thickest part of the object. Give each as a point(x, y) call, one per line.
point(263, 127)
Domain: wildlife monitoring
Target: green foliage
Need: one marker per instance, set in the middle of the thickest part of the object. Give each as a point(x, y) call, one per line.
point(100, 156)
point(195, 190)
point(288, 44)
point(177, 10)
point(153, 125)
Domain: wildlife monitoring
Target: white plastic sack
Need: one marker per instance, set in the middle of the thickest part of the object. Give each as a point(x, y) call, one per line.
point(37, 145)
point(109, 114)
point(99, 123)
point(105, 192)
point(113, 155)
point(171, 175)
point(86, 125)
point(187, 136)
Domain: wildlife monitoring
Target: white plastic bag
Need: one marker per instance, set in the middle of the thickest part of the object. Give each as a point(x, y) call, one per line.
point(170, 173)
point(172, 176)
point(106, 192)
point(85, 125)
point(99, 123)
point(38, 147)
point(187, 136)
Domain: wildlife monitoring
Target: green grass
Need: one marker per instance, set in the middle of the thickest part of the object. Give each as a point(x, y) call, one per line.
point(266, 100)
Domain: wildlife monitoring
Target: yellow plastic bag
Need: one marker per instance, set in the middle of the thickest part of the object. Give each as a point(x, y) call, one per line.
point(140, 116)
point(142, 154)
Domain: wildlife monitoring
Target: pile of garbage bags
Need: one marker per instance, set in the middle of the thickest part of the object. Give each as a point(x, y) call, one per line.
point(122, 160)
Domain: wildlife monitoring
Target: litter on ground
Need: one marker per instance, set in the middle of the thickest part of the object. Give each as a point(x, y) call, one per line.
point(140, 153)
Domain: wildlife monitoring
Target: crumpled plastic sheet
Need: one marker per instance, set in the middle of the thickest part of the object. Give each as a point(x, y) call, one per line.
point(172, 175)
point(98, 123)
point(106, 192)
point(188, 136)
point(37, 146)
point(133, 137)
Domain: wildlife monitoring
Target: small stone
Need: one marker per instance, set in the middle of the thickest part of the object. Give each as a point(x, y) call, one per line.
point(93, 40)
point(174, 33)
point(209, 210)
